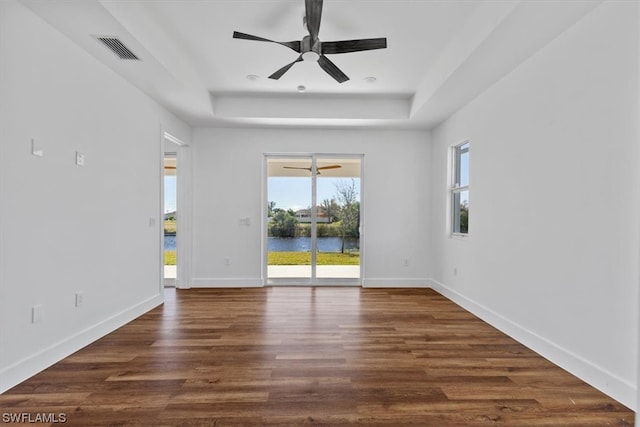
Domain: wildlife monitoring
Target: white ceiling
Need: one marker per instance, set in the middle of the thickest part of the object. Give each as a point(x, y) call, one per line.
point(440, 55)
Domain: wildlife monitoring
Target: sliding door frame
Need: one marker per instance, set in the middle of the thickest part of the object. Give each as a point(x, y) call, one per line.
point(313, 280)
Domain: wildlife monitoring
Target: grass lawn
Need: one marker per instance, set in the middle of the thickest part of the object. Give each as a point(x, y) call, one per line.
point(304, 258)
point(170, 226)
point(169, 257)
point(294, 258)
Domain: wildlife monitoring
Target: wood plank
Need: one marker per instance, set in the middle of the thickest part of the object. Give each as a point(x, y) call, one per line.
point(323, 356)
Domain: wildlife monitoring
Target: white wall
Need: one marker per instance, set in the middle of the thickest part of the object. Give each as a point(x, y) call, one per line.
point(64, 228)
point(552, 256)
point(228, 174)
point(638, 190)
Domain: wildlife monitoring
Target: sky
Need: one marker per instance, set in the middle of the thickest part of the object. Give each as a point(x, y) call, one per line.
point(169, 194)
point(288, 192)
point(295, 192)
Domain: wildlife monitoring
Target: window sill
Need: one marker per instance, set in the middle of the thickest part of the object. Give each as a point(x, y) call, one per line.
point(459, 236)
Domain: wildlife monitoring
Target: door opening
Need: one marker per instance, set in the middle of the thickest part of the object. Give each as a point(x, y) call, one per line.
point(314, 220)
point(170, 219)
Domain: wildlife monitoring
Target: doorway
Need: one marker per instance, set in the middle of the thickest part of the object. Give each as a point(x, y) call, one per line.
point(170, 219)
point(313, 232)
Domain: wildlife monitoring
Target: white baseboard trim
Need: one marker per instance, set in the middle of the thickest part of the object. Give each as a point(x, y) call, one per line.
point(396, 283)
point(615, 387)
point(232, 282)
point(24, 369)
point(227, 282)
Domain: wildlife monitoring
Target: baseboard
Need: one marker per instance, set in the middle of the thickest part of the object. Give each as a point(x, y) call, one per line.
point(227, 282)
point(232, 282)
point(619, 389)
point(24, 369)
point(396, 283)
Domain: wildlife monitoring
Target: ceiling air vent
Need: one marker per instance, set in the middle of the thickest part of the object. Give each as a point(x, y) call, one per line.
point(118, 47)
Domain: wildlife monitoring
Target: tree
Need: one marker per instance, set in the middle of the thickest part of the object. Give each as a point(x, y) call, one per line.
point(283, 223)
point(464, 217)
point(270, 208)
point(331, 208)
point(349, 212)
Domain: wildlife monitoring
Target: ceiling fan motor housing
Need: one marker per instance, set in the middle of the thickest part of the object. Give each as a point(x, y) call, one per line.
point(310, 52)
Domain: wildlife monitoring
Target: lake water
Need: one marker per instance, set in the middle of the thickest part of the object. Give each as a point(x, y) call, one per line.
point(169, 243)
point(303, 244)
point(291, 244)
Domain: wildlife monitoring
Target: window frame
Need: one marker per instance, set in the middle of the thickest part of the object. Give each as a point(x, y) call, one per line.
point(456, 188)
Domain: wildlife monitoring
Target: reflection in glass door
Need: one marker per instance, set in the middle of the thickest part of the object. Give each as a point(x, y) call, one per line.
point(313, 219)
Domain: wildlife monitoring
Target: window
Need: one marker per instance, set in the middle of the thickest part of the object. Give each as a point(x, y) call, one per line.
point(460, 189)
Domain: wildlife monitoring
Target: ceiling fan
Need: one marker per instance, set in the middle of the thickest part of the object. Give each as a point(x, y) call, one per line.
point(311, 48)
point(318, 169)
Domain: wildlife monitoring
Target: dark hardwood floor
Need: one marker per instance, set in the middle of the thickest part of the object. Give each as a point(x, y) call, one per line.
point(311, 356)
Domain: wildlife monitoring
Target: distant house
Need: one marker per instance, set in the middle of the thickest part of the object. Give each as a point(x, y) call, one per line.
point(304, 215)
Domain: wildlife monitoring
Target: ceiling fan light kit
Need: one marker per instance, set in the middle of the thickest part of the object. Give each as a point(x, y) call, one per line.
point(310, 48)
point(310, 56)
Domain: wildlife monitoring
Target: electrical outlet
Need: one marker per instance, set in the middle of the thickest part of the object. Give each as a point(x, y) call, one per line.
point(79, 299)
point(227, 261)
point(455, 271)
point(37, 313)
point(405, 262)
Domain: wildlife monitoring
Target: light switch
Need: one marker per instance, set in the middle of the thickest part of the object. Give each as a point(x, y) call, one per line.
point(36, 313)
point(79, 158)
point(36, 148)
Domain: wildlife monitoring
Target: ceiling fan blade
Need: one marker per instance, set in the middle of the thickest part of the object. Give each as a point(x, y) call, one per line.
point(346, 46)
point(332, 69)
point(281, 71)
point(294, 45)
point(329, 167)
point(293, 167)
point(313, 14)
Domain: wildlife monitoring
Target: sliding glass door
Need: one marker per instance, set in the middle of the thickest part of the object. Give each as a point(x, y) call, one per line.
point(289, 199)
point(313, 221)
point(338, 220)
